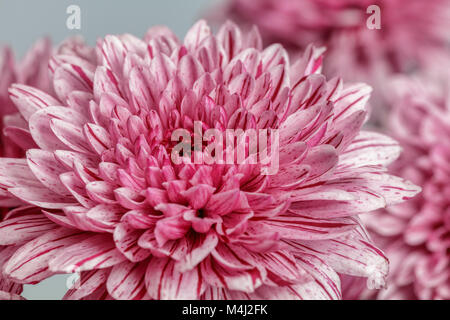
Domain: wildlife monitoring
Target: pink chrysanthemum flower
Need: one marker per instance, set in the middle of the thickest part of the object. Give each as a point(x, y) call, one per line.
point(414, 33)
point(416, 235)
point(106, 200)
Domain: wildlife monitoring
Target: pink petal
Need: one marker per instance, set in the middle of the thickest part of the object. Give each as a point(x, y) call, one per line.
point(126, 240)
point(29, 100)
point(370, 148)
point(127, 281)
point(40, 126)
point(105, 216)
point(15, 173)
point(45, 167)
point(71, 135)
point(200, 248)
point(30, 262)
point(69, 78)
point(21, 229)
point(88, 283)
point(297, 227)
point(196, 35)
point(41, 197)
point(96, 252)
point(223, 202)
point(164, 282)
point(353, 256)
point(171, 228)
point(98, 138)
point(216, 275)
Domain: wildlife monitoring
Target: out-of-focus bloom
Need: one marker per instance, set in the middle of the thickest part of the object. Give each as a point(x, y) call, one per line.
point(31, 70)
point(414, 33)
point(416, 235)
point(106, 200)
point(411, 30)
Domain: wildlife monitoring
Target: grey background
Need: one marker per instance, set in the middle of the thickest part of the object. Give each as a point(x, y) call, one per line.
point(24, 21)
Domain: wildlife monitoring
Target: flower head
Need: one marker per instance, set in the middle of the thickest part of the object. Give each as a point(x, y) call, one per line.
point(416, 235)
point(105, 198)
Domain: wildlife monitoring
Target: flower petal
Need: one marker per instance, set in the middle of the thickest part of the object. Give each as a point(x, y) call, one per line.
point(30, 262)
point(96, 252)
point(127, 281)
point(164, 282)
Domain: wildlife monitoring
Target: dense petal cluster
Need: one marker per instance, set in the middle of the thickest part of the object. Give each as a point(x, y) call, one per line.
point(413, 33)
point(416, 235)
point(104, 198)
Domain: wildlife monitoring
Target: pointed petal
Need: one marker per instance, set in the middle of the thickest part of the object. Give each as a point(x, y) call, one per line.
point(165, 283)
point(127, 281)
point(96, 252)
point(42, 197)
point(29, 100)
point(126, 240)
point(88, 283)
point(297, 227)
point(30, 262)
point(21, 229)
point(47, 169)
point(371, 149)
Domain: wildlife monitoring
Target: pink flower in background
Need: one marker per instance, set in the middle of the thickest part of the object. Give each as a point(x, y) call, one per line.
point(105, 199)
point(414, 33)
point(416, 235)
point(410, 29)
point(31, 70)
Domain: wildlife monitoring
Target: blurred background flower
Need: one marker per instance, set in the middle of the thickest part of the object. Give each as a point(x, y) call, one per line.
point(416, 234)
point(413, 35)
